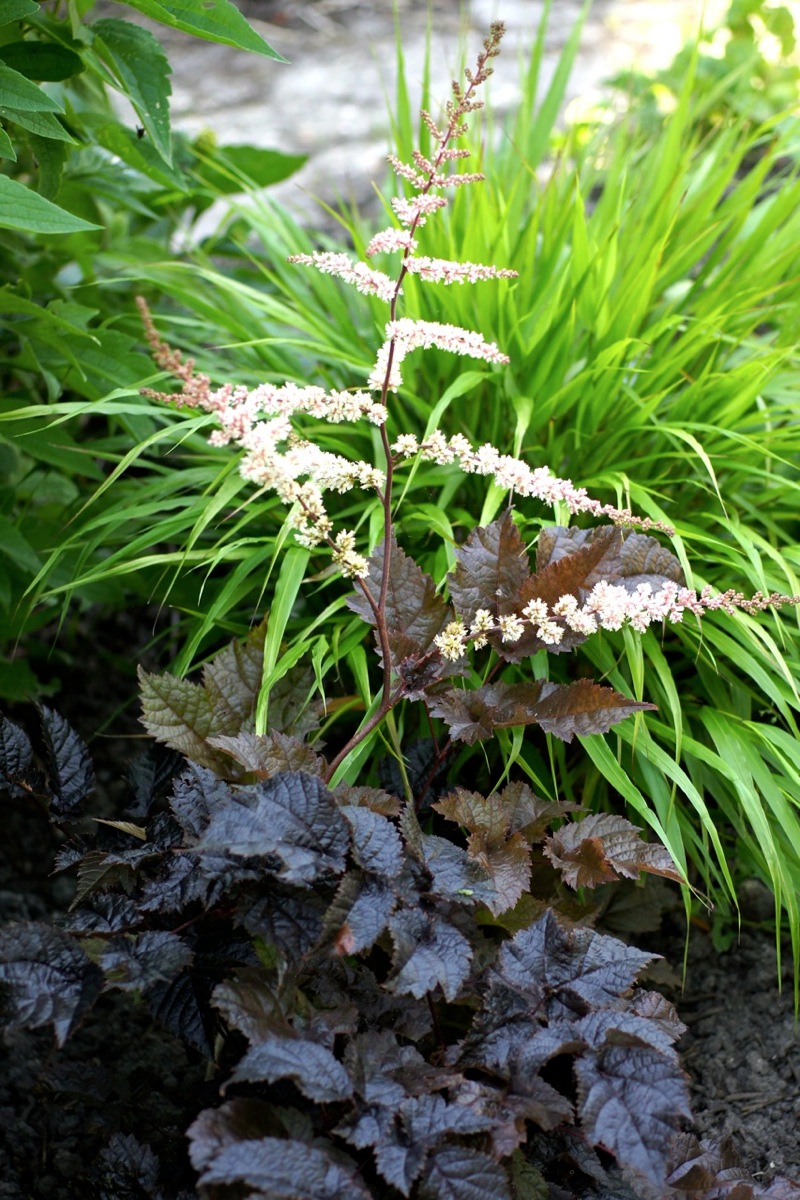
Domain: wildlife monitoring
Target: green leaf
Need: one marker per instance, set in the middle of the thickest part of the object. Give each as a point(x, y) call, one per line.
point(19, 93)
point(42, 123)
point(15, 10)
point(138, 153)
point(50, 155)
point(214, 21)
point(42, 60)
point(231, 168)
point(7, 146)
point(24, 210)
point(138, 62)
point(17, 548)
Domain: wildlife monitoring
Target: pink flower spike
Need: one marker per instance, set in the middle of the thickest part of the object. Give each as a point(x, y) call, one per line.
point(390, 240)
point(371, 283)
point(416, 211)
point(441, 270)
point(414, 335)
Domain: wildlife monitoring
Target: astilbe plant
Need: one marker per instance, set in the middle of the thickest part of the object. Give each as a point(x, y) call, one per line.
point(583, 580)
point(405, 1012)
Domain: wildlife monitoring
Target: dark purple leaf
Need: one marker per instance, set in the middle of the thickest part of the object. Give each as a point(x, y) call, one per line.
point(182, 1007)
point(46, 978)
point(414, 612)
point(16, 758)
point(476, 713)
point(269, 754)
point(239, 1120)
point(506, 862)
point(292, 821)
point(602, 847)
point(359, 913)
point(631, 1100)
point(136, 964)
point(625, 1027)
point(69, 767)
point(458, 1173)
point(196, 793)
point(105, 915)
point(455, 874)
point(582, 707)
point(318, 1075)
point(286, 1170)
point(291, 922)
point(492, 569)
point(149, 774)
point(645, 560)
point(126, 1168)
point(376, 843)
point(428, 952)
point(514, 810)
point(574, 968)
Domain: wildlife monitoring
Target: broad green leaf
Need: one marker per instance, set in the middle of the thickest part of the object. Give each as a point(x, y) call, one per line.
point(50, 155)
point(42, 60)
point(7, 146)
point(19, 93)
point(214, 21)
point(15, 10)
point(16, 547)
point(138, 153)
point(23, 209)
point(42, 123)
point(138, 62)
point(232, 168)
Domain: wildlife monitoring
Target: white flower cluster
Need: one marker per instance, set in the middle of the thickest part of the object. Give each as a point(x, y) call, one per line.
point(514, 475)
point(405, 335)
point(607, 606)
point(368, 281)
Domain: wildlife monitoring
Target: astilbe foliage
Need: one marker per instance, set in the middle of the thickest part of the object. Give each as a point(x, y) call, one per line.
point(396, 1037)
point(386, 1011)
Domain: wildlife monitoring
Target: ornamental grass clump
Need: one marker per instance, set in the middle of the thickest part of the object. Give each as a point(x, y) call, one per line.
point(584, 580)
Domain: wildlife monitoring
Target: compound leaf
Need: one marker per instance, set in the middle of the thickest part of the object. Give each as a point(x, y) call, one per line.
point(318, 1075)
point(70, 771)
point(630, 1100)
point(291, 818)
point(602, 847)
point(286, 1170)
point(429, 951)
point(47, 977)
point(458, 1173)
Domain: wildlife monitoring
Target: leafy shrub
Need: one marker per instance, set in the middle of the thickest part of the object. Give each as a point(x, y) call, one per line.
point(80, 187)
point(385, 1010)
point(408, 1004)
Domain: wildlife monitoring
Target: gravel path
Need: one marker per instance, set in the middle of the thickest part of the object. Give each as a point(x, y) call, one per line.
point(330, 101)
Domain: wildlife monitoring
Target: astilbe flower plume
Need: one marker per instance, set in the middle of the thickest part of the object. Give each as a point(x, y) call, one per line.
point(277, 457)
